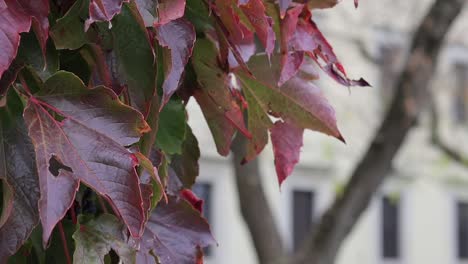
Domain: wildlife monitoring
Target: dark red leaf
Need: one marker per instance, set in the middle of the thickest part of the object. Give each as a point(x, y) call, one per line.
point(87, 145)
point(230, 19)
point(9, 76)
point(103, 10)
point(175, 232)
point(307, 37)
point(255, 12)
point(290, 60)
point(286, 139)
point(190, 197)
point(179, 37)
point(100, 73)
point(169, 10)
point(16, 17)
point(356, 3)
point(39, 12)
point(18, 173)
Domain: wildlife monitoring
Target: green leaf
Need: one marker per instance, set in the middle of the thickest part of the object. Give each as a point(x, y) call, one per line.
point(55, 253)
point(258, 124)
point(185, 164)
point(96, 238)
point(171, 128)
point(220, 108)
point(68, 32)
point(135, 56)
point(298, 100)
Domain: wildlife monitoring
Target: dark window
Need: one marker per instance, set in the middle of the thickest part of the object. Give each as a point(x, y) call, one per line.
point(204, 192)
point(462, 234)
point(461, 93)
point(390, 228)
point(303, 207)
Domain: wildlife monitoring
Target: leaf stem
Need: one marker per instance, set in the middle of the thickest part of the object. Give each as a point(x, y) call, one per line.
point(73, 213)
point(64, 243)
point(102, 204)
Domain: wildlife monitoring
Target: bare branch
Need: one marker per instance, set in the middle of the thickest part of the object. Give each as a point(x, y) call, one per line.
point(338, 221)
point(437, 140)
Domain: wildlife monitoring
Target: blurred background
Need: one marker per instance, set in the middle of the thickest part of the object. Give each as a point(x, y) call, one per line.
point(420, 213)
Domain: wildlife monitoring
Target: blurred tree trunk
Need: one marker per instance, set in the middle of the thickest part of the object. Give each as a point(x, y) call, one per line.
point(254, 206)
point(411, 93)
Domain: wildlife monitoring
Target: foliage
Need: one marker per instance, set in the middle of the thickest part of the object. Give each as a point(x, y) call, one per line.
point(95, 143)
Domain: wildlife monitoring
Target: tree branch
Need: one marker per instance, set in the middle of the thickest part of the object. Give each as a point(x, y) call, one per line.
point(255, 208)
point(338, 221)
point(436, 138)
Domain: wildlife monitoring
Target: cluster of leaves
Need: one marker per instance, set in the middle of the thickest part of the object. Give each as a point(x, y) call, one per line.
point(95, 144)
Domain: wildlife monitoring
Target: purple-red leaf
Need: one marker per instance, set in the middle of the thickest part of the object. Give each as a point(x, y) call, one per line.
point(290, 66)
point(175, 233)
point(179, 37)
point(192, 198)
point(290, 60)
point(103, 10)
point(300, 33)
point(18, 173)
point(298, 101)
point(286, 139)
point(230, 19)
point(255, 12)
point(169, 10)
point(87, 145)
point(17, 16)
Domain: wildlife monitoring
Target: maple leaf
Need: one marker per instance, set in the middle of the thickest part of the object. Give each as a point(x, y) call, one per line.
point(169, 10)
point(300, 33)
point(17, 16)
point(286, 139)
point(179, 37)
point(87, 145)
point(18, 173)
point(103, 10)
point(175, 232)
point(68, 32)
point(160, 12)
point(255, 12)
point(298, 101)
